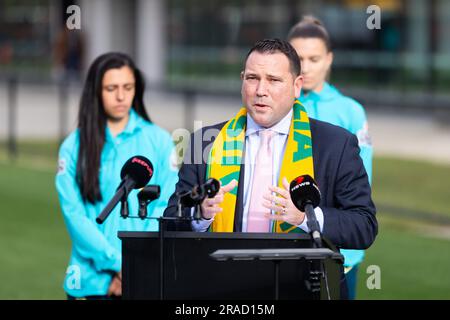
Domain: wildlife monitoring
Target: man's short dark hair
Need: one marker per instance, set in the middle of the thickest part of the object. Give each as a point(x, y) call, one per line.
point(277, 45)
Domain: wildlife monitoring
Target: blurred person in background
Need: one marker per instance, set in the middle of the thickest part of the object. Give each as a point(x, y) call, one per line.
point(68, 55)
point(6, 52)
point(112, 127)
point(324, 102)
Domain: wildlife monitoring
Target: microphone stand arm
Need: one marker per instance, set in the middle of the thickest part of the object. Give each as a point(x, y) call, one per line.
point(124, 211)
point(313, 224)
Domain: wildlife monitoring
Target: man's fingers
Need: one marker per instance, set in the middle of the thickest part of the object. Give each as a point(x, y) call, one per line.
point(212, 210)
point(271, 206)
point(286, 183)
point(209, 202)
point(230, 186)
point(210, 205)
point(282, 192)
point(278, 200)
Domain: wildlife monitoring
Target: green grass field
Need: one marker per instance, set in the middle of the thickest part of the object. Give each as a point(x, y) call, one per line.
point(411, 251)
point(413, 265)
point(33, 240)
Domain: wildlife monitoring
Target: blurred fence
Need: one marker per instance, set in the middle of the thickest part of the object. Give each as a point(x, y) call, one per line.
point(46, 111)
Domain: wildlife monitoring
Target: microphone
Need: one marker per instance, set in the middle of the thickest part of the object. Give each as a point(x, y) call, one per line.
point(196, 196)
point(208, 189)
point(135, 174)
point(306, 196)
point(145, 196)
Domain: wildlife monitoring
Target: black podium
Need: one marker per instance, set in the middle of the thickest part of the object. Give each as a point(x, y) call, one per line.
point(192, 269)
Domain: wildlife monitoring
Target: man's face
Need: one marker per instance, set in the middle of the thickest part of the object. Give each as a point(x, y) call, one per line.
point(268, 87)
point(315, 60)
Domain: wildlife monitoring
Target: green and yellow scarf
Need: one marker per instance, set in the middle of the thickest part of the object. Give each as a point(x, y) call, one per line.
point(225, 158)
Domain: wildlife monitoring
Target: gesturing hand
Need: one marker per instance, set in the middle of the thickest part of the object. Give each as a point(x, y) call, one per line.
point(282, 204)
point(210, 206)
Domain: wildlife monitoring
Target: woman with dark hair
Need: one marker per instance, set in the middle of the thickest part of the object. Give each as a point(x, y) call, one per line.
point(112, 127)
point(324, 102)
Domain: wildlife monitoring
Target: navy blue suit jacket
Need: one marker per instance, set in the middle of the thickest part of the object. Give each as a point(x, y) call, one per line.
point(349, 213)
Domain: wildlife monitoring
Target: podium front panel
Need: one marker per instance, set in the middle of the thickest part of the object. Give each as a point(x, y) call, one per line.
point(190, 272)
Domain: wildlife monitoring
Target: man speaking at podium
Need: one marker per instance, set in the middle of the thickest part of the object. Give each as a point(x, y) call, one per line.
point(271, 141)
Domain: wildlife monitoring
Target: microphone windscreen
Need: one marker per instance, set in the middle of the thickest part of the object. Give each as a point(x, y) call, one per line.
point(304, 189)
point(211, 187)
point(150, 192)
point(139, 169)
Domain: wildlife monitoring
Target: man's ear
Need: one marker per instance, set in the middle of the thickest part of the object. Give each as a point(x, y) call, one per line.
point(298, 84)
point(242, 75)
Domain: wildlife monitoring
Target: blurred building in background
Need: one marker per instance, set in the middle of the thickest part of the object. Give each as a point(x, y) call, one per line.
point(196, 47)
point(202, 43)
point(191, 52)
